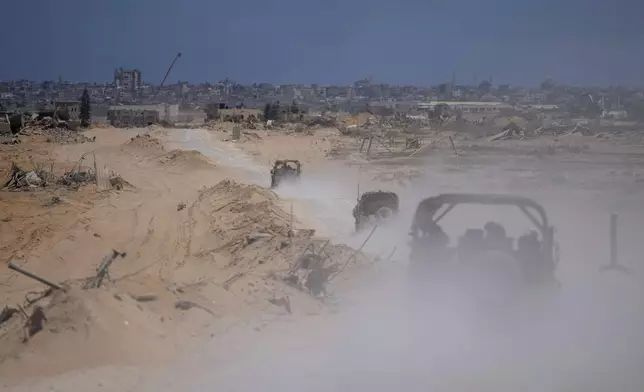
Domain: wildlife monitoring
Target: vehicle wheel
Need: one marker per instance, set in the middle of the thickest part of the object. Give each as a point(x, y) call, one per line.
point(383, 213)
point(359, 224)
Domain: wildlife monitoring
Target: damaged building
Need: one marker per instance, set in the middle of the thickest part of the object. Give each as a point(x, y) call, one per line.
point(141, 115)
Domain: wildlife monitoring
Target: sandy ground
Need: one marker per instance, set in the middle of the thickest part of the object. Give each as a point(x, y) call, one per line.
point(195, 253)
point(111, 341)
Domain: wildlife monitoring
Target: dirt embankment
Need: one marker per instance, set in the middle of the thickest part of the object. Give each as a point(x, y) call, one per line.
point(202, 253)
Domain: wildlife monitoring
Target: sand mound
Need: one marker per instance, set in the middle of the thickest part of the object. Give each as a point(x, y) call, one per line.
point(190, 158)
point(231, 251)
point(236, 214)
point(246, 231)
point(87, 328)
point(145, 140)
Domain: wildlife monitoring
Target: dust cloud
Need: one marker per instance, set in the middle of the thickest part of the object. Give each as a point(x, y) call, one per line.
point(589, 335)
point(392, 329)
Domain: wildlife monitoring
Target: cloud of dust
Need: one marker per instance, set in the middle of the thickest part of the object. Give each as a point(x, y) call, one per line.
point(588, 336)
point(388, 336)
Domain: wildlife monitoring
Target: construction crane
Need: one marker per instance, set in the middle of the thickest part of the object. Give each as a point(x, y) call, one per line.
point(166, 74)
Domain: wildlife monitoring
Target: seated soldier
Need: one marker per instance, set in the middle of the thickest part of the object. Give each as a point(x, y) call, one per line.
point(495, 237)
point(529, 254)
point(432, 243)
point(470, 244)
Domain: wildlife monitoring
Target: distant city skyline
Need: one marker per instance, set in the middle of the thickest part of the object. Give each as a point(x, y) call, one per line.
point(332, 43)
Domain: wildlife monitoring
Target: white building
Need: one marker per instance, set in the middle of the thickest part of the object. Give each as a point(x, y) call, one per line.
point(467, 107)
point(167, 112)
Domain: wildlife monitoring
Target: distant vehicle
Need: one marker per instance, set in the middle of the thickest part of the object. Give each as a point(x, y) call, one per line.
point(484, 262)
point(376, 206)
point(285, 170)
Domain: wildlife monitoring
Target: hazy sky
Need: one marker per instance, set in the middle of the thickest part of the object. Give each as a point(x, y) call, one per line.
point(331, 41)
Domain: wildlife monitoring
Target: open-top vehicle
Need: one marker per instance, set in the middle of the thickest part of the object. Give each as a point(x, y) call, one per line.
point(285, 170)
point(484, 261)
point(375, 206)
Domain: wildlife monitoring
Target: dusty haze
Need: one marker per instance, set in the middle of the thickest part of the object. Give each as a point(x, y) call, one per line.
point(375, 333)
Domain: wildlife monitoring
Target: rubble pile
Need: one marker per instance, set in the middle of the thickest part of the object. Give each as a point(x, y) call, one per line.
point(510, 131)
point(145, 140)
point(562, 130)
point(321, 121)
point(191, 158)
point(74, 179)
point(517, 132)
point(252, 233)
point(9, 140)
point(23, 180)
point(242, 210)
point(17, 327)
point(56, 132)
point(20, 179)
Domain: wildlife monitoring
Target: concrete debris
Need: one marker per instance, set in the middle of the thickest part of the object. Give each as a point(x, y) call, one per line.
point(19, 179)
point(9, 140)
point(57, 131)
point(510, 131)
point(283, 302)
point(253, 237)
point(311, 274)
point(32, 179)
point(117, 182)
point(75, 179)
point(36, 322)
point(187, 305)
point(581, 130)
point(6, 314)
point(562, 130)
point(55, 200)
point(321, 121)
point(144, 297)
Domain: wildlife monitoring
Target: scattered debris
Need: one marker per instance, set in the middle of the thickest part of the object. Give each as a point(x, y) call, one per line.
point(181, 206)
point(226, 285)
point(74, 179)
point(9, 140)
point(510, 131)
point(284, 302)
point(20, 179)
point(145, 140)
point(355, 253)
point(34, 296)
point(310, 273)
point(36, 322)
point(35, 277)
point(56, 131)
point(252, 237)
point(187, 305)
point(6, 314)
point(55, 200)
point(102, 272)
point(117, 182)
point(144, 297)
